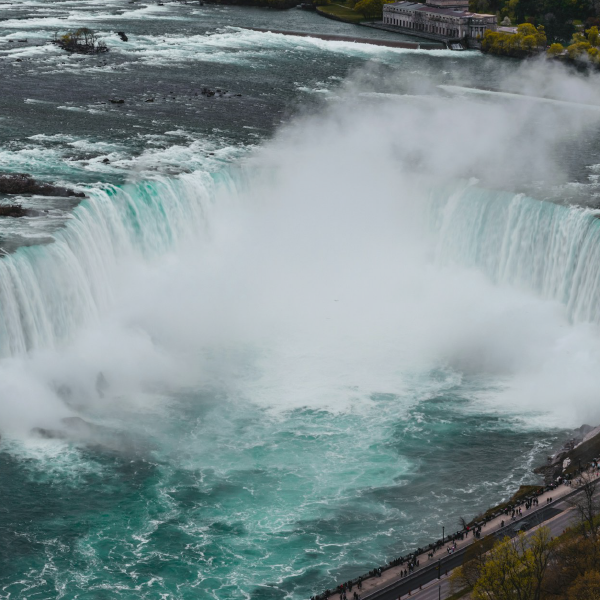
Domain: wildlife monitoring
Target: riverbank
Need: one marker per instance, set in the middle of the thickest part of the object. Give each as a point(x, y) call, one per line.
point(341, 12)
point(398, 577)
point(526, 508)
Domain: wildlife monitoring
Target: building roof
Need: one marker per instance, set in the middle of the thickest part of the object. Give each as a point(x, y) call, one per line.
point(417, 6)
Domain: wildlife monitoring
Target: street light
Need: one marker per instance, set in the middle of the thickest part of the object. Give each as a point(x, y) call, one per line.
point(443, 533)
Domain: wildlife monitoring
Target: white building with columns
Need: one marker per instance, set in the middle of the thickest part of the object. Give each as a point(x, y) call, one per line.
point(449, 19)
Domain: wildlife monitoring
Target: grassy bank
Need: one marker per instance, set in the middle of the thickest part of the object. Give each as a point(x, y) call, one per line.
point(342, 12)
point(523, 492)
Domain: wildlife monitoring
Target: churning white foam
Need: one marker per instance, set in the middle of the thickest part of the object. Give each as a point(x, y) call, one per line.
point(330, 268)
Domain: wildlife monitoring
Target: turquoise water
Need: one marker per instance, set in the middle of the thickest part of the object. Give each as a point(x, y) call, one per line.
point(288, 335)
point(273, 471)
point(219, 499)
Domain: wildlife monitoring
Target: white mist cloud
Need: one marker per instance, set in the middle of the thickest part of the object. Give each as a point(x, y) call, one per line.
point(317, 283)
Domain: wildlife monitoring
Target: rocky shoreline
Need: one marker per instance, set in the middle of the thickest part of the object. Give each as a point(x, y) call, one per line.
point(577, 451)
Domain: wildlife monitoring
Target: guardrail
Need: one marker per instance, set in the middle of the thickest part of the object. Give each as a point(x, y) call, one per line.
point(435, 569)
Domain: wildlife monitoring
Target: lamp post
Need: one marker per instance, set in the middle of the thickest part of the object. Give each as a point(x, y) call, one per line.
point(443, 534)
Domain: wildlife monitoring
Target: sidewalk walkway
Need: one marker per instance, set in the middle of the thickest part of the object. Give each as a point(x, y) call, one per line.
point(374, 583)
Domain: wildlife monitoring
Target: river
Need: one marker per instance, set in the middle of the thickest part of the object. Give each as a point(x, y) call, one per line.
point(298, 325)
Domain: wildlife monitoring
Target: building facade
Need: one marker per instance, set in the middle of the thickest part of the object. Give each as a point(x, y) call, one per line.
point(449, 19)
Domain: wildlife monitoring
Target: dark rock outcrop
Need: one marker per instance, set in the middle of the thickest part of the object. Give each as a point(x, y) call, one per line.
point(218, 93)
point(22, 183)
point(12, 210)
point(123, 36)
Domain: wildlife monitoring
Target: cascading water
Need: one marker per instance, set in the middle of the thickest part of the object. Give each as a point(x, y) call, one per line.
point(47, 292)
point(238, 482)
point(259, 383)
point(542, 247)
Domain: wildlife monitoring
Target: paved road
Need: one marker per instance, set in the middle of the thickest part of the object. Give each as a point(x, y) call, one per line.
point(558, 518)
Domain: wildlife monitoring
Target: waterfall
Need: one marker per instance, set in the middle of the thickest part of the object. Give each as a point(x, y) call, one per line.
point(48, 291)
point(542, 247)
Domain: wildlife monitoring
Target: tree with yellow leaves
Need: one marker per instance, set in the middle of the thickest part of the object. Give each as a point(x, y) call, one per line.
point(556, 50)
point(515, 568)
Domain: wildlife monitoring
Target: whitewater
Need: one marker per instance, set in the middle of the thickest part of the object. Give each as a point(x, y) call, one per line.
point(289, 334)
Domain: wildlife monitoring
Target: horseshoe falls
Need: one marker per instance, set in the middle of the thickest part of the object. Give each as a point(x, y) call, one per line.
point(295, 327)
point(542, 247)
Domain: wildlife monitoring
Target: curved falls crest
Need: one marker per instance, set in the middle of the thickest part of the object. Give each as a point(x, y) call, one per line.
point(48, 291)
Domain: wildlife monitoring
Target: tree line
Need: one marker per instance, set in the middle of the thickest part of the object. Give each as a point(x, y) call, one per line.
point(560, 18)
point(583, 47)
point(527, 41)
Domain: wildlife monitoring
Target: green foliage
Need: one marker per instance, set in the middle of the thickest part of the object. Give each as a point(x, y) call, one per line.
point(480, 6)
point(536, 566)
point(515, 568)
point(527, 41)
point(578, 49)
point(343, 11)
point(585, 47)
point(371, 9)
point(557, 16)
point(586, 587)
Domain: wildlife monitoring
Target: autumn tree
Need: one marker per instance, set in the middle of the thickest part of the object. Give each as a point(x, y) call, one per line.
point(586, 587)
point(556, 49)
point(515, 568)
point(525, 29)
point(578, 49)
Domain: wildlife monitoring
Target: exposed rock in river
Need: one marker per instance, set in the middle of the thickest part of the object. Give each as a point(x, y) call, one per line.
point(22, 183)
